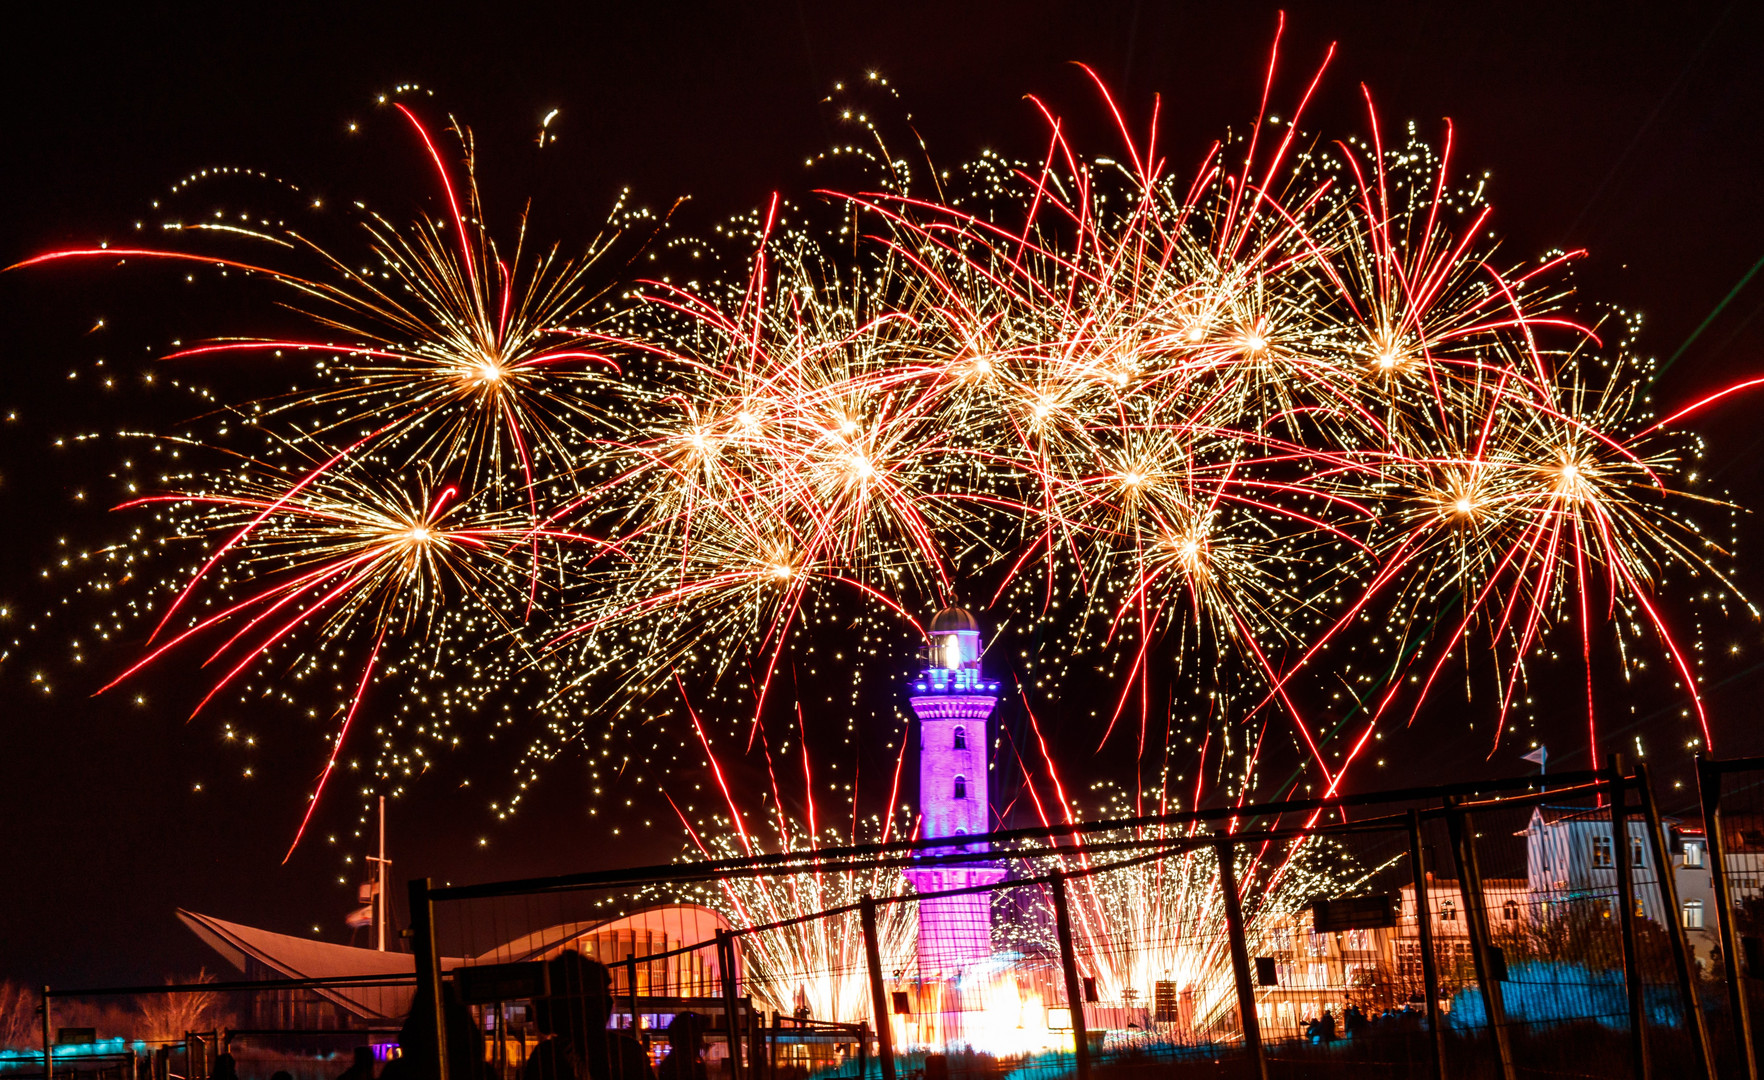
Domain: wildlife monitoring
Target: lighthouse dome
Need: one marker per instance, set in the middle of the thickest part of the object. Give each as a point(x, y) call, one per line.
point(953, 648)
point(954, 620)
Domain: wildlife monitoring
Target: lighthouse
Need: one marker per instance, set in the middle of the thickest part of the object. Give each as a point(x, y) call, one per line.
point(953, 703)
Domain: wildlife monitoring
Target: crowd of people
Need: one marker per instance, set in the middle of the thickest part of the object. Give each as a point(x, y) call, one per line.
point(1356, 1023)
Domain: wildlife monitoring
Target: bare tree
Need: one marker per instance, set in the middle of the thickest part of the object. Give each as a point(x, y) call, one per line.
point(18, 1015)
point(166, 1017)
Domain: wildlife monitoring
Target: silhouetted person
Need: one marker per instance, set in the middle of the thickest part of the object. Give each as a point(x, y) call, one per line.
point(363, 1066)
point(1353, 1020)
point(574, 1016)
point(225, 1067)
point(685, 1060)
point(1412, 1020)
point(1326, 1026)
point(417, 1059)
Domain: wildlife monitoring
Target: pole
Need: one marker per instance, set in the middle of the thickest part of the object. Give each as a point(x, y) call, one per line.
point(1632, 981)
point(428, 968)
point(756, 1041)
point(631, 978)
point(1074, 988)
point(1687, 981)
point(726, 961)
point(1709, 788)
point(1463, 832)
point(380, 905)
point(48, 1045)
point(501, 1040)
point(878, 994)
point(1429, 962)
point(1240, 965)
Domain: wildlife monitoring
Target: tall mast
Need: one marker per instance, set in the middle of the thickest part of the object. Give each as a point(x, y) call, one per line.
point(380, 883)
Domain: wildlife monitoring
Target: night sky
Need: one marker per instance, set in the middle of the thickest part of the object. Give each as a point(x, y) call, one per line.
point(1630, 130)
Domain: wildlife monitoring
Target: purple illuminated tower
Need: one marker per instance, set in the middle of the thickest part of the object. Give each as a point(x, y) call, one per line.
point(952, 703)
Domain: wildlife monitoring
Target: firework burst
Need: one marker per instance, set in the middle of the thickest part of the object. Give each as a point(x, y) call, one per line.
point(1190, 431)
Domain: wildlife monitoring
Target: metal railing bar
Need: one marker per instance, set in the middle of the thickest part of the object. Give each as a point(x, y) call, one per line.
point(715, 867)
point(340, 981)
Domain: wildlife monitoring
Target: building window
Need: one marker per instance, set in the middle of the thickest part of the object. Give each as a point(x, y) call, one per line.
point(1693, 914)
point(1601, 853)
point(1635, 852)
point(961, 738)
point(1693, 854)
point(1510, 910)
point(1448, 912)
point(961, 787)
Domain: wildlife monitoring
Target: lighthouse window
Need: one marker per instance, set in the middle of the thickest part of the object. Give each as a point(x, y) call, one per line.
point(961, 787)
point(961, 738)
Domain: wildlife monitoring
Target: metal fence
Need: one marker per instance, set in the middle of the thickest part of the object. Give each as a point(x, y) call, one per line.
point(309, 1028)
point(1486, 929)
point(1493, 929)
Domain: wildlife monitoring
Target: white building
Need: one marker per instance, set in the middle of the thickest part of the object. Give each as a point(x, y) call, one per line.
point(1569, 858)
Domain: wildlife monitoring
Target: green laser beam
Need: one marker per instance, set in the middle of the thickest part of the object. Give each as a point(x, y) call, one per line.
point(1711, 317)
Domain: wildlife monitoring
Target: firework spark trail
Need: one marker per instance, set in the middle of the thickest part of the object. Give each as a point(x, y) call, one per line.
point(318, 790)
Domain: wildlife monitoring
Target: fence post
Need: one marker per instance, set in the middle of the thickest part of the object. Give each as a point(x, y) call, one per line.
point(878, 993)
point(757, 1064)
point(1074, 988)
point(428, 968)
point(726, 962)
point(1709, 788)
point(501, 1029)
point(1240, 964)
point(1424, 926)
point(1463, 832)
point(631, 979)
point(1687, 980)
point(48, 1046)
point(1640, 1065)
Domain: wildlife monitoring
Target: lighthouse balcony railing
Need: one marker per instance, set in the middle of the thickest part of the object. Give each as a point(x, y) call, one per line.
point(939, 680)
